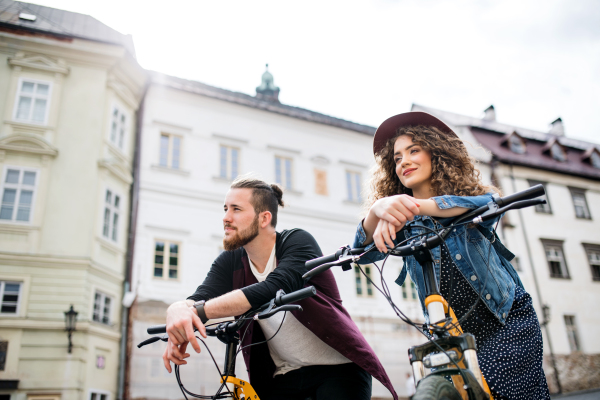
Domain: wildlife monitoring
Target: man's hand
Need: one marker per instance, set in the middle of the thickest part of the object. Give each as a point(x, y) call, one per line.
point(181, 320)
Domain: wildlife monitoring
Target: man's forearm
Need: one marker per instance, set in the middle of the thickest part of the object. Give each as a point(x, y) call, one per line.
point(228, 305)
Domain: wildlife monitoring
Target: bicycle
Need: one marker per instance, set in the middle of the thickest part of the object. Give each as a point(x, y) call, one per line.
point(228, 332)
point(449, 353)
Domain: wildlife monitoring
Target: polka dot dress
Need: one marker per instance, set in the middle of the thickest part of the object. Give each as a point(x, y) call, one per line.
point(510, 355)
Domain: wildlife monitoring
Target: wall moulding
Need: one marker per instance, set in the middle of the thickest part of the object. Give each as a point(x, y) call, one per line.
point(28, 143)
point(39, 62)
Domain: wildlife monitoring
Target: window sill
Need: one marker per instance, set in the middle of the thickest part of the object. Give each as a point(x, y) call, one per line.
point(560, 277)
point(108, 243)
point(176, 171)
point(352, 202)
point(17, 226)
point(292, 192)
point(584, 218)
point(222, 179)
point(31, 126)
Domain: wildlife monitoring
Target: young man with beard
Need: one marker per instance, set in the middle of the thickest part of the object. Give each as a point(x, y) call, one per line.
point(318, 352)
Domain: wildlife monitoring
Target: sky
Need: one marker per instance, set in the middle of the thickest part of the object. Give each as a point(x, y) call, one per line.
point(365, 61)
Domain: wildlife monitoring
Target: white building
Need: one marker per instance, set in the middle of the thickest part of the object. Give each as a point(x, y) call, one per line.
point(69, 90)
point(195, 139)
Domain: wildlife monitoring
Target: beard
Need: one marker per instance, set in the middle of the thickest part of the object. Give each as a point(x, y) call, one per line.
point(241, 238)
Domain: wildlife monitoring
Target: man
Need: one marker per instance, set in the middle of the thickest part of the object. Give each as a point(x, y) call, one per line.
point(318, 352)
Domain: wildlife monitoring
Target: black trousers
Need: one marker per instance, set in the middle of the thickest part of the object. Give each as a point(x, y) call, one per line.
point(321, 382)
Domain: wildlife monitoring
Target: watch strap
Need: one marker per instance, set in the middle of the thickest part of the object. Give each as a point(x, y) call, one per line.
point(199, 306)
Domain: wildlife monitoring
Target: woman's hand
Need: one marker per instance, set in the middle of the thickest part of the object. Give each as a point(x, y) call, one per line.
point(385, 233)
point(396, 210)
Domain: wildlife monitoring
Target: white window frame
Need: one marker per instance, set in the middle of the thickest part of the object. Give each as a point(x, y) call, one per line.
point(353, 186)
point(592, 252)
point(580, 200)
point(98, 393)
point(101, 313)
point(542, 208)
point(516, 144)
point(558, 255)
point(113, 210)
point(166, 266)
point(19, 297)
point(572, 333)
point(284, 176)
point(364, 288)
point(229, 172)
point(170, 150)
point(412, 295)
point(19, 187)
point(48, 99)
point(119, 141)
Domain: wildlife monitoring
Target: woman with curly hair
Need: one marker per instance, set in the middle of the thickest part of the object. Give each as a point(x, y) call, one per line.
point(424, 175)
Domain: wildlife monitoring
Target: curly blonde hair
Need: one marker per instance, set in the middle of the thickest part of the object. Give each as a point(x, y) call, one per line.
point(452, 169)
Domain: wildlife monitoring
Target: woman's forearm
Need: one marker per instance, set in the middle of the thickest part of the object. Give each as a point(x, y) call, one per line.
point(430, 208)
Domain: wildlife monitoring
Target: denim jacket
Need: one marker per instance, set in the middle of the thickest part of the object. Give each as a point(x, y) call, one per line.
point(470, 249)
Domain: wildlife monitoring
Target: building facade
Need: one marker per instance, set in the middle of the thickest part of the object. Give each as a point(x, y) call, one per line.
point(195, 140)
point(69, 90)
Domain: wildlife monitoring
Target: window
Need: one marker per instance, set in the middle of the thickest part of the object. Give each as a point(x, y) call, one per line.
point(364, 286)
point(17, 195)
point(516, 263)
point(118, 126)
point(321, 182)
point(542, 208)
point(572, 332)
point(516, 144)
point(593, 254)
point(3, 351)
point(595, 159)
point(283, 172)
point(10, 292)
point(556, 259)
point(33, 99)
point(580, 204)
point(409, 291)
point(558, 153)
point(98, 396)
point(166, 259)
point(170, 150)
point(111, 215)
point(229, 162)
point(102, 305)
point(353, 186)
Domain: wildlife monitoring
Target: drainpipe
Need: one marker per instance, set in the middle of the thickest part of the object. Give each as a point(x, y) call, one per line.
point(543, 307)
point(125, 346)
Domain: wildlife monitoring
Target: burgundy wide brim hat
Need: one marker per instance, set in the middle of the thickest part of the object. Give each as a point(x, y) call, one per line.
point(389, 127)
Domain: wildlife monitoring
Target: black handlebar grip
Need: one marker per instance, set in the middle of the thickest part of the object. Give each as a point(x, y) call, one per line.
point(157, 329)
point(296, 296)
point(310, 264)
point(530, 193)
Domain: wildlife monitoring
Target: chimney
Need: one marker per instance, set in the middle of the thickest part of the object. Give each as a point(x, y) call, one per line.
point(267, 89)
point(489, 114)
point(557, 128)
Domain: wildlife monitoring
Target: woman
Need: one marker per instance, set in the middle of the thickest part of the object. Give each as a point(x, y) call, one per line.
point(423, 175)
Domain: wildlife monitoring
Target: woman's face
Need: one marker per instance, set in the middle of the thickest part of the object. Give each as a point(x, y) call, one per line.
point(413, 166)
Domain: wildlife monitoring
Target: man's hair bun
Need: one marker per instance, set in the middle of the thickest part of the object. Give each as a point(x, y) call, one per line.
point(278, 193)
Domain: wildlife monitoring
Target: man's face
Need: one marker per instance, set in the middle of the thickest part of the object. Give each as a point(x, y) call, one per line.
point(240, 222)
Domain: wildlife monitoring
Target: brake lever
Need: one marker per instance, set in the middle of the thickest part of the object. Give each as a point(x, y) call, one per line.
point(153, 339)
point(270, 312)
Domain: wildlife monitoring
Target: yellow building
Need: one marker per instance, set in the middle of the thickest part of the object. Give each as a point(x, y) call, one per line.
point(70, 89)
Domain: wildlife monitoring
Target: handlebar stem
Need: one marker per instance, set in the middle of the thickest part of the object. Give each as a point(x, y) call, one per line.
point(425, 258)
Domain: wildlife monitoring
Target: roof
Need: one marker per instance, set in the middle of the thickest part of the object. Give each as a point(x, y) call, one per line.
point(61, 23)
point(492, 135)
point(251, 101)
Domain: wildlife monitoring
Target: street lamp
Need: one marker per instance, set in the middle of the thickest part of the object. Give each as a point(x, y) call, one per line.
point(70, 319)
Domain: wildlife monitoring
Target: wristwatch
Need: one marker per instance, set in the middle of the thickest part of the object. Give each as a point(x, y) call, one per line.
point(199, 306)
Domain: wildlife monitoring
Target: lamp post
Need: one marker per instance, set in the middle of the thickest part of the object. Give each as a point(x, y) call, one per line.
point(70, 319)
